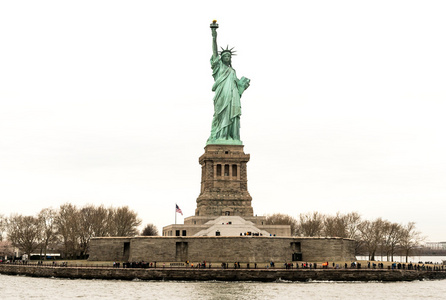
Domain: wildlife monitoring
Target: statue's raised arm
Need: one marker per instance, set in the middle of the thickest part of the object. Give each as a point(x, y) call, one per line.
point(214, 27)
point(228, 90)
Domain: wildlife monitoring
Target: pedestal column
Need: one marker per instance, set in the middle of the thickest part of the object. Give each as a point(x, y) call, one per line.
point(223, 195)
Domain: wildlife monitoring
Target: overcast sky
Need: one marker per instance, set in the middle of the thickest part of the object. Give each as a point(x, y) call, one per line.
point(110, 102)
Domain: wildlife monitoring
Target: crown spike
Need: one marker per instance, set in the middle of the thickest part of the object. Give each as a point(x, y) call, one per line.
point(227, 50)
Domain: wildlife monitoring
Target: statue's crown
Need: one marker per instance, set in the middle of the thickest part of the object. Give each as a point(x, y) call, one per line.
point(227, 50)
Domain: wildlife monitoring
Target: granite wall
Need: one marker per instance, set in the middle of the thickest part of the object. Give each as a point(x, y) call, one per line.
point(243, 249)
point(219, 274)
point(110, 249)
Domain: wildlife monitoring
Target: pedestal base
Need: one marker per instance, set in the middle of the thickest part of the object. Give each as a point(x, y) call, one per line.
point(224, 188)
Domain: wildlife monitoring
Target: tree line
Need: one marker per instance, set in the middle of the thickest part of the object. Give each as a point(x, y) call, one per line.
point(69, 227)
point(371, 237)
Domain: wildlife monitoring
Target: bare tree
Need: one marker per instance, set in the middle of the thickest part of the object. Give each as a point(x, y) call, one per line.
point(150, 230)
point(353, 222)
point(99, 222)
point(410, 239)
point(336, 226)
point(47, 217)
point(93, 222)
point(76, 227)
point(24, 232)
point(67, 224)
point(3, 226)
point(371, 235)
point(86, 232)
point(391, 237)
point(282, 219)
point(310, 224)
point(123, 221)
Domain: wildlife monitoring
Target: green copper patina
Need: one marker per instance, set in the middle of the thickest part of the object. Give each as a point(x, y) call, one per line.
point(228, 90)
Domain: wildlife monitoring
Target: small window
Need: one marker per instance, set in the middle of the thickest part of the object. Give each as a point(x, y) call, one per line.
point(227, 213)
point(184, 233)
point(177, 233)
point(218, 170)
point(217, 233)
point(226, 152)
point(234, 170)
point(226, 170)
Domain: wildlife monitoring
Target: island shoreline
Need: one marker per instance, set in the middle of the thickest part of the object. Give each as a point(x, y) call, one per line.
point(196, 274)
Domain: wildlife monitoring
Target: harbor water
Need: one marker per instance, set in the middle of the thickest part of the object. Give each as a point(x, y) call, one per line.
point(21, 287)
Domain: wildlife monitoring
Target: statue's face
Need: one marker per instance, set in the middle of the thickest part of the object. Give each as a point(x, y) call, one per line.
point(226, 58)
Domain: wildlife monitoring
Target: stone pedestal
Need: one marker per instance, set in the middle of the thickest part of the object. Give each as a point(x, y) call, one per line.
point(224, 182)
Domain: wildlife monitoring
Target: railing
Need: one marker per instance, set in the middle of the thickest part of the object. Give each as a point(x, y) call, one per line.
point(234, 266)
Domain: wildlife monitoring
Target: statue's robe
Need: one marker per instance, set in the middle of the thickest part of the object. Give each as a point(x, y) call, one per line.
point(227, 107)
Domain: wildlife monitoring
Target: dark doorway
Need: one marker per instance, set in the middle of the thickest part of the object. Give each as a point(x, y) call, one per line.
point(126, 251)
point(297, 257)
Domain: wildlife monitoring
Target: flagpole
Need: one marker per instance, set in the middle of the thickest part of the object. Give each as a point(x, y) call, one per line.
point(175, 214)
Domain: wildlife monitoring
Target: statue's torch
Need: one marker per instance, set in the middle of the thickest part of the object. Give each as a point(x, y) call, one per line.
point(214, 24)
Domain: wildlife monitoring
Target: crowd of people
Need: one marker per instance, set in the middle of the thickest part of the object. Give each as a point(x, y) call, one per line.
point(238, 265)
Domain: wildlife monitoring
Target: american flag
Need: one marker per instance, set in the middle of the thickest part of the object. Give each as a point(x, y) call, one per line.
point(178, 209)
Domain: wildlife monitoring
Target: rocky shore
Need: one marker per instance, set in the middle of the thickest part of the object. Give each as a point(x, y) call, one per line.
point(266, 275)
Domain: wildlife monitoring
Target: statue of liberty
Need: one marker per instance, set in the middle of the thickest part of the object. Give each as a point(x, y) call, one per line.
point(228, 90)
